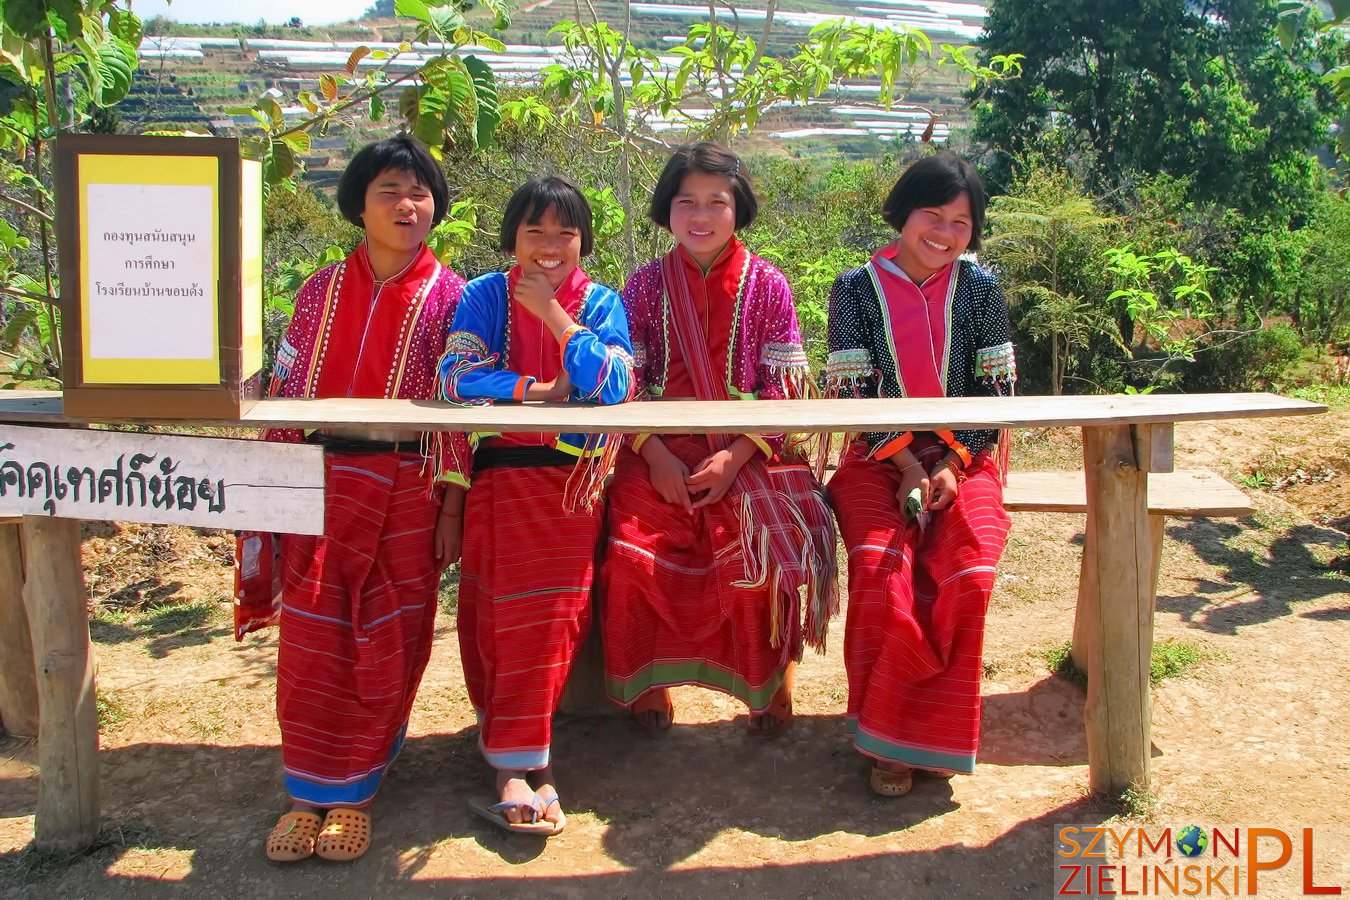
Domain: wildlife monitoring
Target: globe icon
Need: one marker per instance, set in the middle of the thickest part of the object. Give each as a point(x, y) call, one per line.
point(1191, 841)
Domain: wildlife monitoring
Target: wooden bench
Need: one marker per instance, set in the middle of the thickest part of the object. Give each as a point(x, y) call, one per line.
point(1126, 489)
point(1182, 493)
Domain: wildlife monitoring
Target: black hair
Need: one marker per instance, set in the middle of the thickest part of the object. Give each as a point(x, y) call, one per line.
point(710, 159)
point(936, 181)
point(536, 197)
point(403, 154)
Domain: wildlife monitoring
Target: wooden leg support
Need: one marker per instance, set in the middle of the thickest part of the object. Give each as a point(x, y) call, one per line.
point(585, 691)
point(18, 674)
point(67, 811)
point(1122, 578)
point(1084, 623)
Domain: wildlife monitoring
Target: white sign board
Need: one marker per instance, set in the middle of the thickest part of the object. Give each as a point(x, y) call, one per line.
point(120, 476)
point(151, 271)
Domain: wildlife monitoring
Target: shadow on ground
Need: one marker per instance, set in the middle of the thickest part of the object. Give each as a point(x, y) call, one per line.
point(1289, 574)
point(217, 803)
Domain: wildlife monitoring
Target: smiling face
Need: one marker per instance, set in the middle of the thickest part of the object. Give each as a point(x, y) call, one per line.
point(397, 214)
point(703, 215)
point(548, 246)
point(934, 236)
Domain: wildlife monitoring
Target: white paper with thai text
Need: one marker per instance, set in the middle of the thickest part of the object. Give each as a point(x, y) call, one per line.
point(151, 282)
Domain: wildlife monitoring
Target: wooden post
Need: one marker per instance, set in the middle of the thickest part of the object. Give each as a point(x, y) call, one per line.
point(18, 675)
point(1085, 623)
point(1118, 703)
point(585, 691)
point(67, 810)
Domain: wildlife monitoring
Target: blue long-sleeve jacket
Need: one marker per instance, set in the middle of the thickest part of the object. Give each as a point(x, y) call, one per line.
point(598, 357)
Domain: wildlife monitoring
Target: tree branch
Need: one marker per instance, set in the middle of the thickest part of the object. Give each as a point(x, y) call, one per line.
point(348, 103)
point(28, 295)
point(15, 201)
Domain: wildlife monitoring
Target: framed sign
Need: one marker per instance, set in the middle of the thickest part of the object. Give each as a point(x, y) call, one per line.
point(161, 272)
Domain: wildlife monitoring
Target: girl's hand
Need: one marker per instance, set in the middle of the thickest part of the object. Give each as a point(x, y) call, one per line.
point(912, 475)
point(667, 474)
point(714, 477)
point(535, 294)
point(557, 389)
point(943, 487)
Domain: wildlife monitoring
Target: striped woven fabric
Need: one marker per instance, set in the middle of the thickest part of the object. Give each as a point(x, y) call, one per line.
point(916, 608)
point(524, 606)
point(356, 625)
point(673, 614)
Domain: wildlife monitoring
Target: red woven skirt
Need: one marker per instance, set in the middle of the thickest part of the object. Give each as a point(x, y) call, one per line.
point(916, 608)
point(524, 606)
point(358, 608)
point(671, 613)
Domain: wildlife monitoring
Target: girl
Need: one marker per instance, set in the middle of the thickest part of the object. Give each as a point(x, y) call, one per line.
point(712, 537)
point(358, 602)
point(919, 321)
point(541, 331)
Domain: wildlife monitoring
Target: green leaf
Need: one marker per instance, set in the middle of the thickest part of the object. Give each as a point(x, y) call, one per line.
point(445, 19)
point(485, 89)
point(272, 110)
point(298, 141)
point(280, 163)
point(413, 9)
point(19, 322)
point(501, 15)
point(117, 65)
point(48, 327)
point(408, 102)
point(376, 108)
point(9, 235)
point(29, 17)
point(125, 24)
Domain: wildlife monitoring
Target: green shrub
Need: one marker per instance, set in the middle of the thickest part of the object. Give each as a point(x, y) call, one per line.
point(1252, 361)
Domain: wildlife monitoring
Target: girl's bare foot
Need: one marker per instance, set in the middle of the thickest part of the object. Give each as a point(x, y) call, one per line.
point(543, 782)
point(512, 787)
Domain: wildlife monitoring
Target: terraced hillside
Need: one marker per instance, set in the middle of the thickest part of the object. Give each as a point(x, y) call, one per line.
point(192, 81)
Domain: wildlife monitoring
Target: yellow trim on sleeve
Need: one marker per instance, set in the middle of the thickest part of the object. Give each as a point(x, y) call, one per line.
point(762, 444)
point(455, 478)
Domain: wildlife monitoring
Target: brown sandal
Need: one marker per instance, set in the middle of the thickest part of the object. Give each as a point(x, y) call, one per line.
point(292, 838)
point(891, 784)
point(345, 835)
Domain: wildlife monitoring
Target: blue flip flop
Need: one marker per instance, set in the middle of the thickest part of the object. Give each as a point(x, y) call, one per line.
point(548, 797)
point(534, 810)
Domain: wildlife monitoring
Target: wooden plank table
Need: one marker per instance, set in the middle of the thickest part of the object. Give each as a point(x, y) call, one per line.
point(1124, 439)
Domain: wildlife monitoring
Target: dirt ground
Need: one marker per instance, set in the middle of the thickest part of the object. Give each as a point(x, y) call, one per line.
point(1253, 732)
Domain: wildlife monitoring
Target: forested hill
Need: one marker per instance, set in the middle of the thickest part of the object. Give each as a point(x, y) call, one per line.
point(190, 76)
